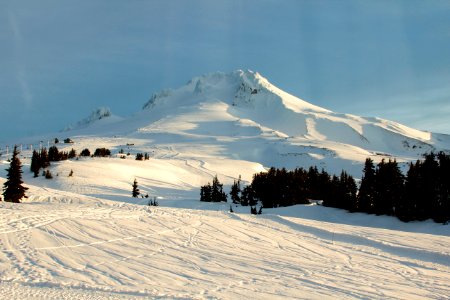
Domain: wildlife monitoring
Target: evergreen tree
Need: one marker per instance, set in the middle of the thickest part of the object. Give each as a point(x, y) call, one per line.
point(389, 186)
point(13, 189)
point(53, 154)
point(85, 152)
point(235, 192)
point(43, 155)
point(430, 185)
point(248, 196)
point(217, 193)
point(72, 153)
point(35, 163)
point(205, 193)
point(441, 210)
point(406, 209)
point(366, 193)
point(332, 200)
point(135, 191)
point(347, 192)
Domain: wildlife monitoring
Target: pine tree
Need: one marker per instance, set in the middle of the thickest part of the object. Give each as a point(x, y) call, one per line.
point(389, 187)
point(72, 153)
point(53, 153)
point(430, 185)
point(43, 155)
point(35, 163)
point(217, 193)
point(248, 196)
point(235, 192)
point(441, 211)
point(13, 190)
point(205, 193)
point(85, 152)
point(135, 191)
point(406, 209)
point(366, 193)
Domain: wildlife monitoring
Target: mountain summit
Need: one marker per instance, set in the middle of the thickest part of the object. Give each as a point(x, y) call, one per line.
point(241, 115)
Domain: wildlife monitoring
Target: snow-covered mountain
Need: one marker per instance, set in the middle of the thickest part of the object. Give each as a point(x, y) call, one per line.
point(241, 115)
point(81, 235)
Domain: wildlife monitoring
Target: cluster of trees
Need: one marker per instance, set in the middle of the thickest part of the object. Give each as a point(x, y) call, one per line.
point(140, 156)
point(102, 152)
point(99, 152)
point(280, 187)
point(213, 192)
point(424, 193)
point(41, 159)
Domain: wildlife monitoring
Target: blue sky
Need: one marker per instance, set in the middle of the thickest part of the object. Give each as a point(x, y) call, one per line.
point(61, 59)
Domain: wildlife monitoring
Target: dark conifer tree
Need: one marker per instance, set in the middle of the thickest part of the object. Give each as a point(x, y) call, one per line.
point(205, 193)
point(53, 154)
point(324, 184)
point(72, 153)
point(333, 199)
point(312, 183)
point(347, 192)
point(13, 189)
point(85, 152)
point(430, 185)
point(250, 195)
point(135, 191)
point(406, 209)
point(35, 163)
point(367, 192)
point(389, 186)
point(45, 162)
point(441, 211)
point(235, 192)
point(217, 193)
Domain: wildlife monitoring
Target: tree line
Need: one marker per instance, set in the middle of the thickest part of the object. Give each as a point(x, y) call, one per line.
point(423, 193)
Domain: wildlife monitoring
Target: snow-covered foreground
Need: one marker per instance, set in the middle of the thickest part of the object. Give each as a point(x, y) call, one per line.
point(79, 247)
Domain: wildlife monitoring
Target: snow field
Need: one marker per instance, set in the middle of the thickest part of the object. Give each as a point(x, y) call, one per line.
point(96, 248)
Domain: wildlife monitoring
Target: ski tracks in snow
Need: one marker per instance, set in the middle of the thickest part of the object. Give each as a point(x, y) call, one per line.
point(128, 251)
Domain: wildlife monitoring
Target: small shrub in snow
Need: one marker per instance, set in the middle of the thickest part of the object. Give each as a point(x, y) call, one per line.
point(48, 175)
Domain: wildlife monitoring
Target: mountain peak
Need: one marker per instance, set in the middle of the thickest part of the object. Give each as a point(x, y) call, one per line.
point(235, 88)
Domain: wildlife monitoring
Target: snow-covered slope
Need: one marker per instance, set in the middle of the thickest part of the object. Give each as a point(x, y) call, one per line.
point(242, 115)
point(64, 246)
point(84, 236)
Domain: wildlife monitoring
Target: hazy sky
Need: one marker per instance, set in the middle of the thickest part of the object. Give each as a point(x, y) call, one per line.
point(61, 59)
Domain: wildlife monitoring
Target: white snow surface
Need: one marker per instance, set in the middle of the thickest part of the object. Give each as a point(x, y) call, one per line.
point(59, 245)
point(85, 237)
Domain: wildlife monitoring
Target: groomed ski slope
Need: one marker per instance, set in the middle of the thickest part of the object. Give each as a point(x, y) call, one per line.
point(65, 246)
